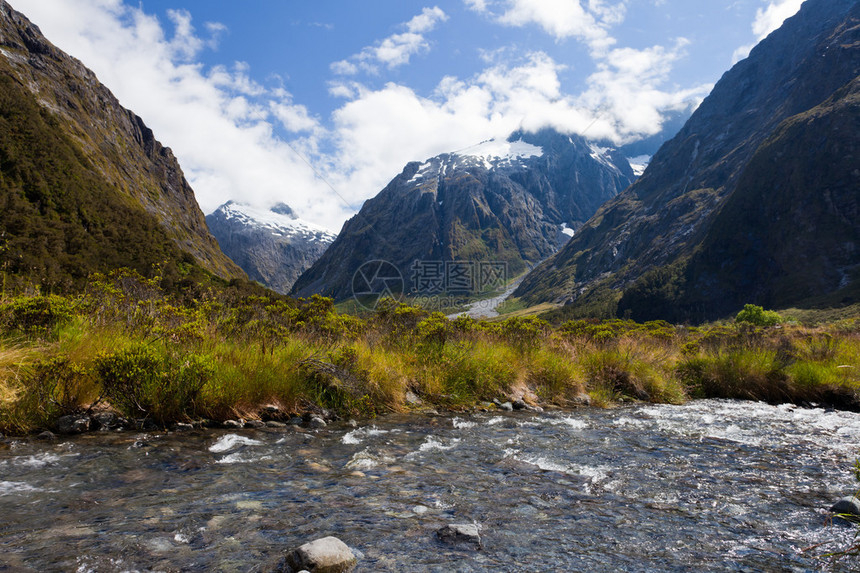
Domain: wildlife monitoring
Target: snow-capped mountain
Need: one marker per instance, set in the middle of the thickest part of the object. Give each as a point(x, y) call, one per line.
point(513, 202)
point(273, 246)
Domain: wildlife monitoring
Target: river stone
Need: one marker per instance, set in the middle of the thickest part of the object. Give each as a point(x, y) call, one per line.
point(847, 509)
point(275, 424)
point(326, 555)
point(73, 424)
point(255, 424)
point(507, 407)
point(412, 398)
point(456, 533)
point(105, 421)
point(519, 405)
point(46, 435)
point(232, 425)
point(316, 422)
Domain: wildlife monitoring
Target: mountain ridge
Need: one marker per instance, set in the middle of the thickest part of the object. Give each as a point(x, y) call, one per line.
point(657, 224)
point(102, 143)
point(505, 202)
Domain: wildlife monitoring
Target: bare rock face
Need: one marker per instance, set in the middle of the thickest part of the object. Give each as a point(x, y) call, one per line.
point(109, 145)
point(513, 202)
point(754, 201)
point(274, 247)
point(326, 555)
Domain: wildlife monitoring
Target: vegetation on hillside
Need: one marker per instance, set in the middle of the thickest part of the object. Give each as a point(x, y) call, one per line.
point(127, 345)
point(60, 220)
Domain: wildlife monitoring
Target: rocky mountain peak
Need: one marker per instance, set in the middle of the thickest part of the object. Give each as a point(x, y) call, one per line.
point(273, 245)
point(503, 201)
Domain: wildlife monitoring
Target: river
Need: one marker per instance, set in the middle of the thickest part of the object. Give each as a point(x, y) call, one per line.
point(708, 486)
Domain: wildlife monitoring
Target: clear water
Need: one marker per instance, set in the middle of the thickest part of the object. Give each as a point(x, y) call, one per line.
point(709, 486)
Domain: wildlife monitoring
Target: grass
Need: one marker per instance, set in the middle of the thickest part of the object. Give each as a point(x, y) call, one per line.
point(127, 346)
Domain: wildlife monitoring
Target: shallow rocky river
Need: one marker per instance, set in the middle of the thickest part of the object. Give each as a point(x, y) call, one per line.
point(709, 486)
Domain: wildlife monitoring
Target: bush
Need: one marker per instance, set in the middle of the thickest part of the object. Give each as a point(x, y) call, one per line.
point(758, 316)
point(141, 383)
point(37, 316)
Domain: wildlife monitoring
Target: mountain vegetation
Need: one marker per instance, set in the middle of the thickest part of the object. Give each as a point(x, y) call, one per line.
point(84, 186)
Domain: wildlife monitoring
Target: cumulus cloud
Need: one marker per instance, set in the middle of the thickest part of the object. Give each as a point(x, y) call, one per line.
point(220, 123)
point(237, 138)
point(627, 90)
point(396, 50)
point(587, 20)
point(766, 21)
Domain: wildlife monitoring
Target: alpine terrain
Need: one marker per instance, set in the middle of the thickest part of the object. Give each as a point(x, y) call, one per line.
point(84, 184)
point(273, 246)
point(754, 201)
point(465, 221)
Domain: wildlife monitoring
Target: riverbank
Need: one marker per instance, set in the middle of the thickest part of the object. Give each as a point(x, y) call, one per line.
point(125, 348)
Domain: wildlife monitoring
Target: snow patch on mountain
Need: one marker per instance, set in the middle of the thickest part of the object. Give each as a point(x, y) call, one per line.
point(602, 155)
point(494, 151)
point(565, 230)
point(639, 163)
point(278, 224)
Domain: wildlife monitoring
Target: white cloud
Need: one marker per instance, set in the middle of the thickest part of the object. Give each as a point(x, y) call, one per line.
point(766, 21)
point(227, 129)
point(220, 124)
point(587, 20)
point(476, 5)
point(627, 89)
point(396, 50)
point(769, 19)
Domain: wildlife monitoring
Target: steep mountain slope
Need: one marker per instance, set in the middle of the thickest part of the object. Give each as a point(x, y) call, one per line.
point(638, 248)
point(85, 186)
point(274, 247)
point(511, 203)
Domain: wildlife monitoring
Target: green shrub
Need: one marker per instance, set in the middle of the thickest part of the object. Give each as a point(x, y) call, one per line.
point(140, 382)
point(758, 316)
point(37, 316)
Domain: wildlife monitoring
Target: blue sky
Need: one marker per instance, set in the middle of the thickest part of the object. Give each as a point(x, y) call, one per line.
point(320, 104)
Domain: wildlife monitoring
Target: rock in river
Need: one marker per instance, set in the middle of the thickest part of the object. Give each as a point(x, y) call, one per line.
point(456, 533)
point(73, 424)
point(326, 555)
point(847, 509)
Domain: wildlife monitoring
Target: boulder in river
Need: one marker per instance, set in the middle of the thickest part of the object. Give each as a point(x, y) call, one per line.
point(106, 421)
point(460, 533)
point(73, 424)
point(326, 555)
point(847, 509)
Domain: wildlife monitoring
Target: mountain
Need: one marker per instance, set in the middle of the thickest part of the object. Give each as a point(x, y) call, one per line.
point(274, 247)
point(754, 201)
point(84, 184)
point(475, 216)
